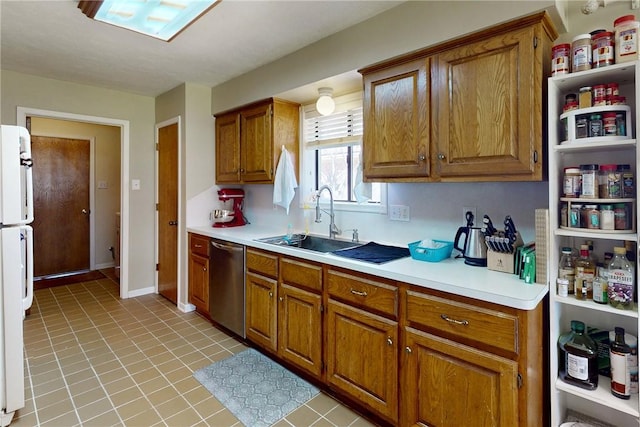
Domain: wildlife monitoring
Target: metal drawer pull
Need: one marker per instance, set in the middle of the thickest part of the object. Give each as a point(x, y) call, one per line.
point(359, 293)
point(197, 245)
point(457, 322)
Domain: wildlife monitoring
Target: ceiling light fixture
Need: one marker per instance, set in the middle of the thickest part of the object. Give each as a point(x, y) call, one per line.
point(162, 19)
point(325, 103)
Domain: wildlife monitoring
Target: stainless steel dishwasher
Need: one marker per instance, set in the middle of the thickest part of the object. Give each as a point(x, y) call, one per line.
point(226, 285)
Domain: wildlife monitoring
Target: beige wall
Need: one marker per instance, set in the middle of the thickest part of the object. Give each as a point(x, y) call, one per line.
point(410, 26)
point(106, 168)
point(39, 93)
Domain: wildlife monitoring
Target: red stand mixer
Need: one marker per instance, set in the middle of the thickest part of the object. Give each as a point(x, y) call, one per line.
point(233, 217)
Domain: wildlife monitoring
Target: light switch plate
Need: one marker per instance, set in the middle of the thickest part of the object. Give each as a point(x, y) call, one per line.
point(399, 213)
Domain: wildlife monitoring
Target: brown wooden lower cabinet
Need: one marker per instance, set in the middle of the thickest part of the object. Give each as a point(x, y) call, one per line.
point(362, 357)
point(199, 273)
point(445, 383)
point(406, 355)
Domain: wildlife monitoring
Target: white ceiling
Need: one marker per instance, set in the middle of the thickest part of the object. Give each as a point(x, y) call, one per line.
point(55, 39)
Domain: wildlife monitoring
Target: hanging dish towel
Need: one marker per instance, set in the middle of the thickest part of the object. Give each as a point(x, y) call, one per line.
point(285, 182)
point(362, 190)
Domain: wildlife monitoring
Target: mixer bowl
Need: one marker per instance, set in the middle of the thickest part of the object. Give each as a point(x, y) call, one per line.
point(223, 215)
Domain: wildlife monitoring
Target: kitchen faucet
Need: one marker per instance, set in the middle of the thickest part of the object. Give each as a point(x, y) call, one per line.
point(333, 229)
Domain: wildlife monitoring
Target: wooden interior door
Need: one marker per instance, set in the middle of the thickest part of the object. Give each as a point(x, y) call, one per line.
point(61, 205)
point(168, 212)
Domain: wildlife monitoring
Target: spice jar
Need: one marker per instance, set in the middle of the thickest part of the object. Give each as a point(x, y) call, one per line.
point(607, 217)
point(592, 215)
point(564, 215)
point(609, 124)
point(599, 91)
point(609, 182)
point(585, 97)
point(575, 216)
point(602, 49)
point(560, 62)
point(572, 182)
point(582, 127)
point(620, 216)
point(581, 53)
point(612, 89)
point(626, 40)
point(628, 185)
point(621, 128)
point(589, 188)
point(595, 125)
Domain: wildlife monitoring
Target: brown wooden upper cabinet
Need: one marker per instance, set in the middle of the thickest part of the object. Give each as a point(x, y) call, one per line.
point(249, 141)
point(396, 121)
point(469, 109)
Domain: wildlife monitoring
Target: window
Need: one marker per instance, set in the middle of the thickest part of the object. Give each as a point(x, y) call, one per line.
point(332, 156)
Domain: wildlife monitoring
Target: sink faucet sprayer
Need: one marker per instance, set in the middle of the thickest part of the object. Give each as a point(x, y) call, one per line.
point(333, 229)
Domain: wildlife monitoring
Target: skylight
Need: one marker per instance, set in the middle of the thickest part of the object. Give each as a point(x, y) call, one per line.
point(162, 19)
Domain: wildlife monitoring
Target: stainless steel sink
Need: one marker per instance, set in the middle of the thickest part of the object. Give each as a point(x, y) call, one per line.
point(309, 242)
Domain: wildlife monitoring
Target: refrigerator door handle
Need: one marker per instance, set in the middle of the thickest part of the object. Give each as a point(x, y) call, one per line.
point(27, 163)
point(28, 299)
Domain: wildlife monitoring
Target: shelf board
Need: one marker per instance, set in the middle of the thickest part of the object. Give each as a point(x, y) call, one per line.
point(586, 233)
point(621, 73)
point(602, 395)
point(595, 144)
point(593, 306)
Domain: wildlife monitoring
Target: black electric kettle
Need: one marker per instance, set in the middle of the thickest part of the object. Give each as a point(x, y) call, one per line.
point(474, 248)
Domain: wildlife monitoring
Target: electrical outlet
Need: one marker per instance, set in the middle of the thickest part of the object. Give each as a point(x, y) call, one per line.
point(471, 209)
point(399, 213)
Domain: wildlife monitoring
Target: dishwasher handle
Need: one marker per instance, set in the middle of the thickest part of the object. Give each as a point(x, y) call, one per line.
point(228, 248)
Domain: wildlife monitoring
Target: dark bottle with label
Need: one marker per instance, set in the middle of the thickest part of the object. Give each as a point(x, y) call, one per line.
point(619, 356)
point(577, 358)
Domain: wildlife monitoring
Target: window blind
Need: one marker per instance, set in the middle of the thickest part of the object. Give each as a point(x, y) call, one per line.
point(337, 129)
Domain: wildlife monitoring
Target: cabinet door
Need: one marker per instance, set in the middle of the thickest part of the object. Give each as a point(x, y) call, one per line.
point(228, 148)
point(300, 328)
point(449, 384)
point(362, 357)
point(487, 109)
point(261, 311)
point(396, 121)
point(256, 144)
point(199, 282)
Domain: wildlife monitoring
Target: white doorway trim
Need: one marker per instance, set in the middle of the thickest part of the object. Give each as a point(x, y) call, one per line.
point(24, 112)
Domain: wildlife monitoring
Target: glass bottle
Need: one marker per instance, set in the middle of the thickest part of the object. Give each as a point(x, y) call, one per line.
point(577, 358)
point(619, 357)
point(567, 269)
point(585, 272)
point(621, 284)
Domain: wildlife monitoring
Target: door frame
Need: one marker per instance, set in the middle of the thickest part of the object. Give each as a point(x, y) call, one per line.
point(92, 201)
point(24, 112)
point(181, 298)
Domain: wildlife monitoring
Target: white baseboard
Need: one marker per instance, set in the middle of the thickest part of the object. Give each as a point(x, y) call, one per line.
point(140, 292)
point(104, 265)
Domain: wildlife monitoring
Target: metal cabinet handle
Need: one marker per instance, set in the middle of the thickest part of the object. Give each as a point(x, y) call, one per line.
point(407, 349)
point(389, 341)
point(85, 212)
point(457, 322)
point(281, 299)
point(270, 294)
point(359, 293)
point(422, 158)
point(204, 268)
point(197, 245)
point(441, 156)
point(173, 222)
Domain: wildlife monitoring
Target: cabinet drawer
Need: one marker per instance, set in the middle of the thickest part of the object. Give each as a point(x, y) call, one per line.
point(199, 245)
point(298, 273)
point(373, 295)
point(483, 325)
point(262, 262)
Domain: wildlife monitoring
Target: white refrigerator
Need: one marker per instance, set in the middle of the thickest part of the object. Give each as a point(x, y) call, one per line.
point(16, 263)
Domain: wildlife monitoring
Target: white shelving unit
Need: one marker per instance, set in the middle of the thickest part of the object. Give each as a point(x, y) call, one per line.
point(599, 403)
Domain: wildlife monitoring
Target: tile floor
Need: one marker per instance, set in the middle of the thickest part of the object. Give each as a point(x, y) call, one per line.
point(95, 360)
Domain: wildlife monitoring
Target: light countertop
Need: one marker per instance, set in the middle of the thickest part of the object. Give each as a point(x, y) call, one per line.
point(450, 275)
